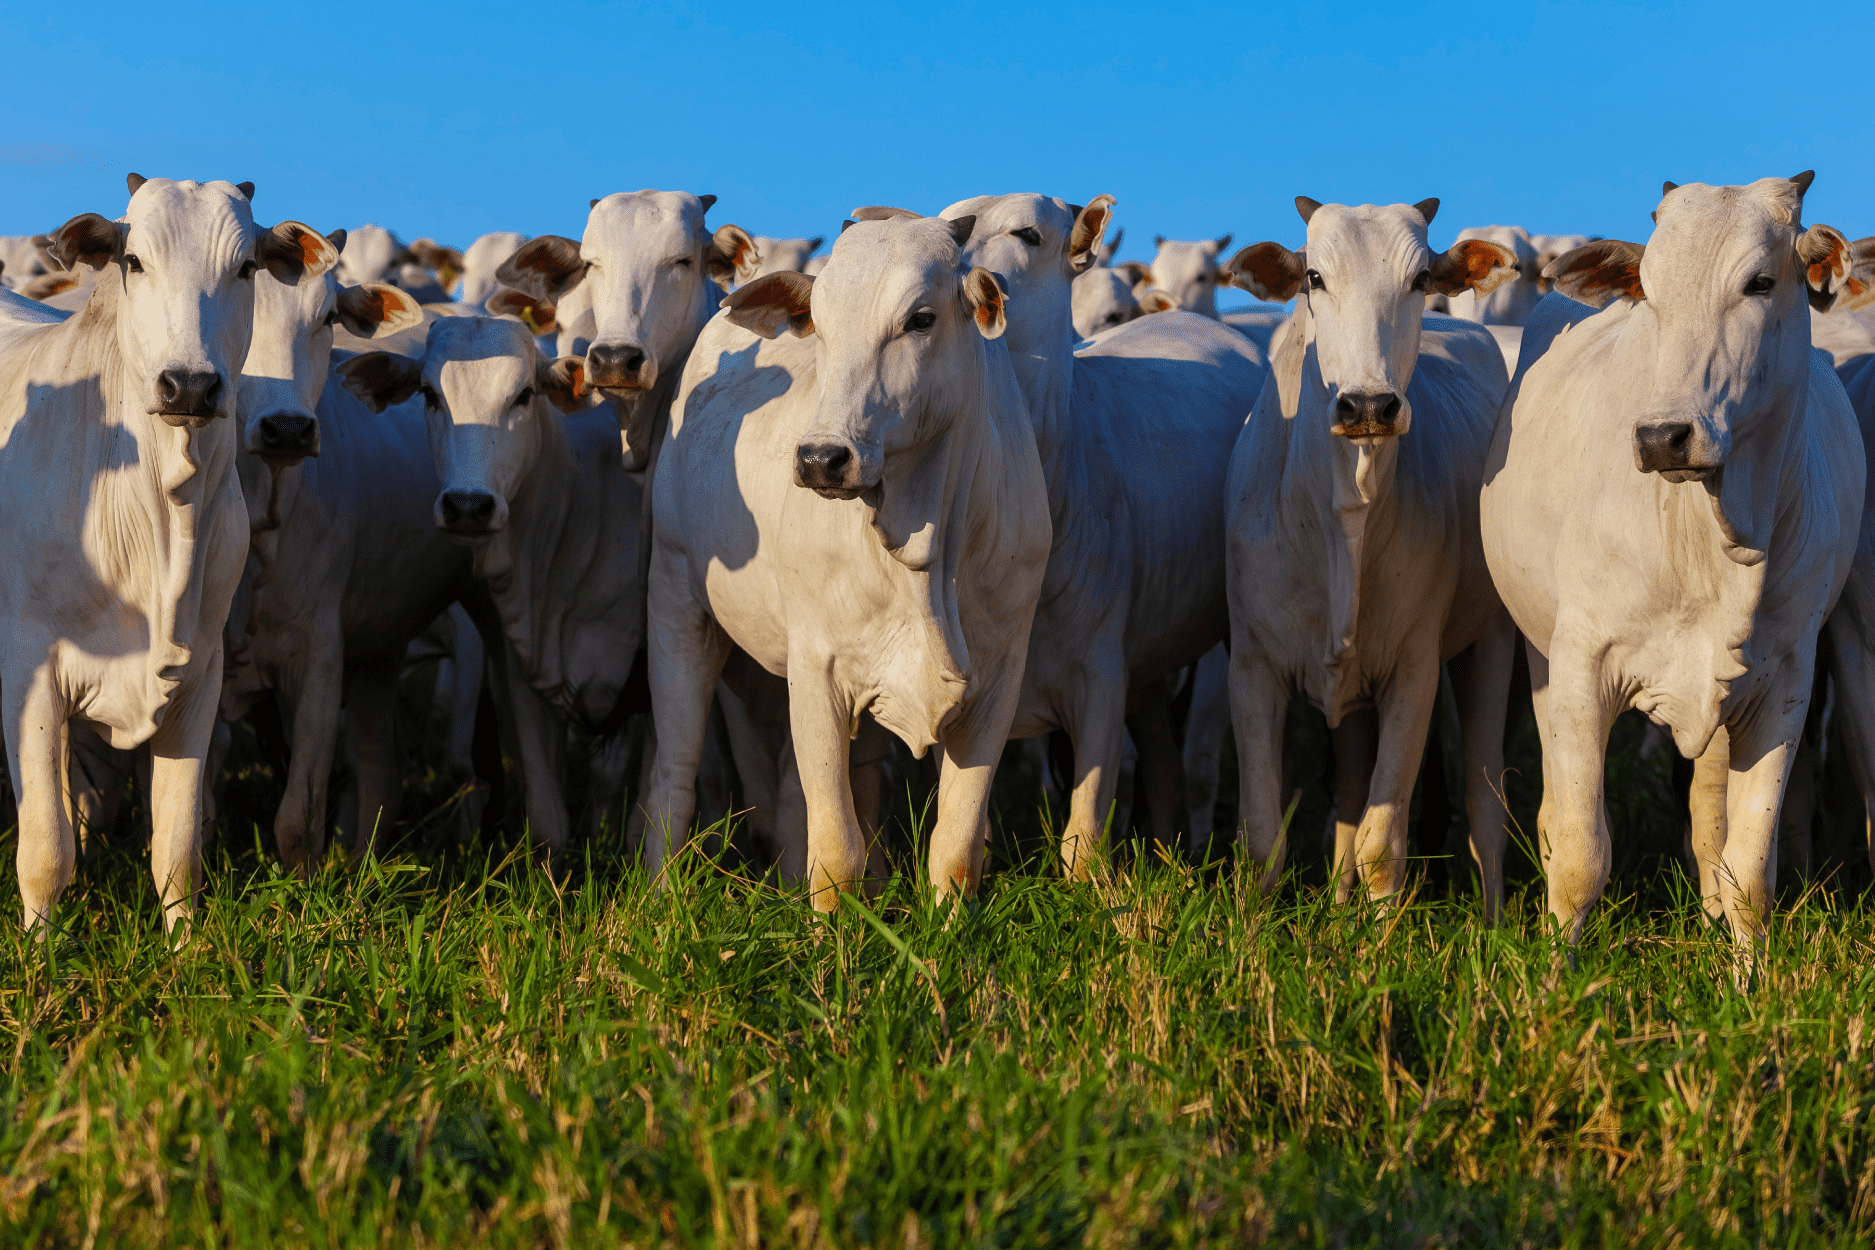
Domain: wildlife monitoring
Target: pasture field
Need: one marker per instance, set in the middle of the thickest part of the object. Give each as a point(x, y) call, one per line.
point(446, 1049)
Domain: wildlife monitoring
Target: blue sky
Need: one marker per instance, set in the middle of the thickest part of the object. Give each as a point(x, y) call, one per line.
point(1199, 118)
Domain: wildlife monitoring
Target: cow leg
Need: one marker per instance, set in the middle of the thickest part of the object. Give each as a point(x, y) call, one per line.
point(1160, 767)
point(1357, 740)
point(37, 732)
point(687, 651)
point(540, 737)
point(1852, 665)
point(178, 754)
point(1405, 714)
point(819, 717)
point(458, 691)
point(1708, 830)
point(1205, 726)
point(371, 699)
point(611, 761)
point(1762, 752)
point(960, 833)
point(1097, 729)
point(787, 830)
point(1258, 700)
point(1572, 824)
point(1481, 686)
point(299, 826)
point(871, 748)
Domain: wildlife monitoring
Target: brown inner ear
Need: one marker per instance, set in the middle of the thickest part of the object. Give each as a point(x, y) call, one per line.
point(87, 239)
point(763, 304)
point(1271, 266)
point(1466, 265)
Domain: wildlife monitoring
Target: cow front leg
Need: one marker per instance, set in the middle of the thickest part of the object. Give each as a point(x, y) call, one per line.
point(37, 734)
point(1096, 726)
point(1851, 653)
point(299, 824)
point(686, 653)
point(1761, 755)
point(178, 755)
point(1205, 726)
point(1574, 717)
point(1161, 768)
point(1258, 701)
point(1357, 745)
point(1707, 804)
point(371, 698)
point(540, 737)
point(1405, 714)
point(820, 716)
point(1481, 677)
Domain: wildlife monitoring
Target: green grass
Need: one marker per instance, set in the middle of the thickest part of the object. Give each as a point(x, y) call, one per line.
point(447, 1049)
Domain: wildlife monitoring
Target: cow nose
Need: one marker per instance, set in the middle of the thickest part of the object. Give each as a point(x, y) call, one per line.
point(468, 509)
point(288, 434)
point(1664, 445)
point(1366, 412)
point(615, 364)
point(821, 465)
point(188, 392)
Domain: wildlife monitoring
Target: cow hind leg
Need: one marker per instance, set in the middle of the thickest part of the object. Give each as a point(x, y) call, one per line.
point(299, 826)
point(1205, 726)
point(686, 653)
point(1481, 678)
point(371, 697)
point(38, 733)
point(1258, 701)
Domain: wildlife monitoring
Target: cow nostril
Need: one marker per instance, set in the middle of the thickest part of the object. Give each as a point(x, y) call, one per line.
point(192, 392)
point(823, 463)
point(287, 432)
point(1390, 409)
point(1344, 407)
point(470, 506)
point(1679, 436)
point(634, 362)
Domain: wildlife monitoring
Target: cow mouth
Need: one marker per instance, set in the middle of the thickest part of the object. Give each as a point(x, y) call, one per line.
point(839, 492)
point(619, 390)
point(194, 420)
point(1692, 473)
point(470, 529)
point(1365, 429)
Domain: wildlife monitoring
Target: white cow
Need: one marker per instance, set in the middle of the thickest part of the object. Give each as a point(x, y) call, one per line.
point(1188, 272)
point(1550, 247)
point(117, 431)
point(777, 255)
point(863, 511)
point(21, 260)
point(482, 262)
point(1135, 432)
point(1672, 506)
point(1510, 303)
point(1104, 298)
point(1847, 330)
point(1355, 564)
point(1849, 637)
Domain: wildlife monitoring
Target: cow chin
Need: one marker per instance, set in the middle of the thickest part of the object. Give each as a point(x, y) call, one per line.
point(193, 420)
point(1699, 473)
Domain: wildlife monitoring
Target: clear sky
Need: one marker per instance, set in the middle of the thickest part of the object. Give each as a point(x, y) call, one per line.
point(452, 120)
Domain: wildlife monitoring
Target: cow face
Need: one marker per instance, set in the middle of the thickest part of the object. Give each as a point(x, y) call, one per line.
point(185, 256)
point(652, 269)
point(901, 323)
point(1510, 303)
point(481, 262)
point(779, 255)
point(1038, 245)
point(1365, 275)
point(291, 354)
point(20, 261)
point(370, 254)
point(1724, 279)
point(486, 396)
point(1103, 298)
point(1188, 272)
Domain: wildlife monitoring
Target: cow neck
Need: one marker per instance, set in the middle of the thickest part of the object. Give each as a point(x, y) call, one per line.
point(652, 413)
point(1041, 355)
point(566, 555)
point(1359, 504)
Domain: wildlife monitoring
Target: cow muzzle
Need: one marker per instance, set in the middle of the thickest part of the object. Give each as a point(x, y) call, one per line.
point(1367, 415)
point(186, 396)
point(287, 437)
point(470, 513)
point(830, 470)
point(621, 367)
point(1674, 450)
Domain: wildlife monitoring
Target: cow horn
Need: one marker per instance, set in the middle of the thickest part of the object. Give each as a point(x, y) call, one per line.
point(1668, 188)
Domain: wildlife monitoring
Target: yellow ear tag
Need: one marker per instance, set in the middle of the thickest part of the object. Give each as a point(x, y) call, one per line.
point(527, 318)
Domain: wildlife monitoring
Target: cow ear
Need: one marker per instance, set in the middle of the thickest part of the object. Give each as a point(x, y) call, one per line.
point(46, 285)
point(444, 262)
point(772, 303)
point(293, 251)
point(1472, 264)
point(985, 293)
point(1090, 226)
point(1269, 271)
point(547, 267)
point(538, 315)
point(1828, 264)
point(733, 254)
point(381, 379)
point(1598, 274)
point(879, 212)
point(1138, 272)
point(86, 239)
point(1858, 289)
point(1153, 300)
point(563, 382)
point(374, 310)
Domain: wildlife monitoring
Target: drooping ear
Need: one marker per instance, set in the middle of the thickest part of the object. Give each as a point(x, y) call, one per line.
point(1090, 226)
point(986, 295)
point(880, 212)
point(444, 262)
point(1306, 207)
point(1138, 273)
point(1428, 208)
point(1828, 264)
point(563, 382)
point(1472, 264)
point(1153, 300)
point(733, 254)
point(1858, 290)
point(337, 239)
point(374, 310)
point(87, 239)
point(381, 379)
point(46, 285)
point(547, 267)
point(293, 251)
point(772, 303)
point(1223, 241)
point(1601, 272)
point(1269, 271)
point(538, 315)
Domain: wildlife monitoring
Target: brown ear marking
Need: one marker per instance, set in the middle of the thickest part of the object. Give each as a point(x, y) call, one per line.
point(1153, 300)
point(1472, 264)
point(1090, 224)
point(1136, 271)
point(772, 303)
point(538, 315)
point(563, 382)
point(1829, 266)
point(87, 239)
point(547, 266)
point(985, 293)
point(732, 254)
point(1599, 273)
point(370, 308)
point(1268, 271)
point(291, 250)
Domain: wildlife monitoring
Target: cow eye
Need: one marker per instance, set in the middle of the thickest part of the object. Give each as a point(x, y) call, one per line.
point(1315, 281)
point(1419, 281)
point(1113, 319)
point(1760, 285)
point(1029, 235)
point(132, 263)
point(247, 269)
point(924, 319)
point(683, 261)
point(1203, 278)
point(525, 398)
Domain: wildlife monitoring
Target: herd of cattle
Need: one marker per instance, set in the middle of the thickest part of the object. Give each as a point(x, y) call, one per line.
point(951, 483)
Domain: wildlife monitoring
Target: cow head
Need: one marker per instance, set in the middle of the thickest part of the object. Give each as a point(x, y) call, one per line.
point(1508, 304)
point(652, 268)
point(1188, 272)
point(1364, 276)
point(902, 322)
point(784, 254)
point(1724, 279)
point(371, 254)
point(487, 395)
point(481, 262)
point(1103, 298)
point(21, 260)
point(291, 353)
point(184, 257)
point(1038, 245)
